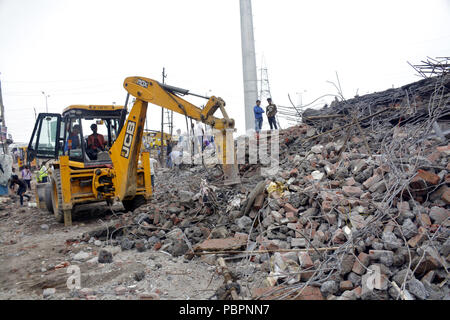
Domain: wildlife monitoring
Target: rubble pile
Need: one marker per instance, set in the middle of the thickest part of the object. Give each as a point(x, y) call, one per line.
point(360, 211)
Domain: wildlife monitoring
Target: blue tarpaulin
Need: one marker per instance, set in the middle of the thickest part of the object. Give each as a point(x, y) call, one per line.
point(3, 190)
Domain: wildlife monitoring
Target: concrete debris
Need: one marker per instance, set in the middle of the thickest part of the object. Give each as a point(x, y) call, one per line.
point(105, 256)
point(360, 201)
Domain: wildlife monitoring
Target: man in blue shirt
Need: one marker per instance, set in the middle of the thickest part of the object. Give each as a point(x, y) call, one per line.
point(258, 116)
point(74, 138)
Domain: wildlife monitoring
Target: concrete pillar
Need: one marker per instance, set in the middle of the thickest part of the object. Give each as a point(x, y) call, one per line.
point(248, 63)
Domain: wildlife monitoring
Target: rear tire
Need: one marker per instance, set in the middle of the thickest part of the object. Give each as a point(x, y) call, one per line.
point(48, 197)
point(56, 196)
point(134, 203)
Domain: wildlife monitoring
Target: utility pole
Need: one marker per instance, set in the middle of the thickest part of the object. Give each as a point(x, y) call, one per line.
point(164, 76)
point(248, 62)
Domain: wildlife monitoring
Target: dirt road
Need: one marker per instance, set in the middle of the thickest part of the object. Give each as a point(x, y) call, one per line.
point(36, 252)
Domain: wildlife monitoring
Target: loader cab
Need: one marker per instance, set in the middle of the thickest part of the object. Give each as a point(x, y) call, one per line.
point(69, 134)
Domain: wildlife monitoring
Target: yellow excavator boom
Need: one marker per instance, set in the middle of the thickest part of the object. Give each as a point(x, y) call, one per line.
point(145, 91)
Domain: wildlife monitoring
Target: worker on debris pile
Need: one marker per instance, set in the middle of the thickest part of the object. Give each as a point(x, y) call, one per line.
point(42, 175)
point(199, 134)
point(176, 156)
point(168, 152)
point(13, 173)
point(271, 111)
point(180, 137)
point(26, 176)
point(22, 188)
point(258, 111)
point(152, 172)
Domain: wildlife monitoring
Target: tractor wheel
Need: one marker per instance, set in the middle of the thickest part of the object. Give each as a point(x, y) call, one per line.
point(134, 203)
point(48, 197)
point(56, 191)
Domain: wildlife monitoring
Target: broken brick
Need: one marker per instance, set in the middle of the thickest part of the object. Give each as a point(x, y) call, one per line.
point(446, 196)
point(345, 285)
point(289, 208)
point(352, 191)
point(362, 261)
point(429, 177)
point(424, 219)
point(417, 239)
point(305, 260)
point(371, 181)
point(293, 172)
point(338, 237)
point(445, 149)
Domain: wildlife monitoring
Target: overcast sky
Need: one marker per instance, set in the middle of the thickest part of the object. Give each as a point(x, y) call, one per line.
point(80, 51)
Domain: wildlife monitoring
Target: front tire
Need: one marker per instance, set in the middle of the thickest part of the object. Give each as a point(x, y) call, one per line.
point(48, 197)
point(56, 196)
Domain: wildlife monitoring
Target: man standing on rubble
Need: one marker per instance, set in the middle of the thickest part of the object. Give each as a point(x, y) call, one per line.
point(258, 111)
point(153, 164)
point(22, 188)
point(271, 111)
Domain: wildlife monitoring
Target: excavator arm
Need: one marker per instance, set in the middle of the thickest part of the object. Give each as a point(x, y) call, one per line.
point(152, 91)
point(125, 150)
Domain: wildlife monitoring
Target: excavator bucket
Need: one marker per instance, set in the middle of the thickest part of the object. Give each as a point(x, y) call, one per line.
point(231, 174)
point(227, 156)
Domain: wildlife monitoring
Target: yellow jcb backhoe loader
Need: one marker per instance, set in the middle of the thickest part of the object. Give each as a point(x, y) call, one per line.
point(116, 169)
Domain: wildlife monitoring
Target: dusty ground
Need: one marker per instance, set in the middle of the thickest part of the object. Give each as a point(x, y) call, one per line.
point(29, 254)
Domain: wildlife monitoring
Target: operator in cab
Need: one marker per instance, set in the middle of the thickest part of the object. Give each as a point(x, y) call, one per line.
point(73, 141)
point(95, 144)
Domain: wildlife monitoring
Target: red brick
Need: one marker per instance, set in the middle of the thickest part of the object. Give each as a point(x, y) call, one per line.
point(289, 208)
point(434, 156)
point(326, 206)
point(352, 191)
point(338, 236)
point(427, 176)
point(424, 219)
point(291, 216)
point(334, 184)
point(371, 181)
point(417, 240)
point(305, 260)
point(358, 291)
point(157, 246)
point(446, 196)
point(350, 181)
point(445, 149)
point(447, 179)
point(294, 172)
point(346, 285)
point(362, 261)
